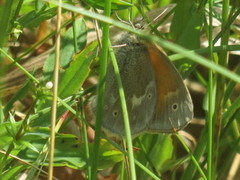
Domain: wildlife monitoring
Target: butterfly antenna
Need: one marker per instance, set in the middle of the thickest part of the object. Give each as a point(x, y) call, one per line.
point(121, 20)
point(157, 17)
point(98, 32)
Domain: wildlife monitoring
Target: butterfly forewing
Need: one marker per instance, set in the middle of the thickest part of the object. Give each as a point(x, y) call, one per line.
point(139, 87)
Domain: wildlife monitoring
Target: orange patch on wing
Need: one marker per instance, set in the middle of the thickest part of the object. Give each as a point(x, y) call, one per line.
point(165, 75)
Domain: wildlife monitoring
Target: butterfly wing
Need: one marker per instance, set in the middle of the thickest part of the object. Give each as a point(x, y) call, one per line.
point(174, 107)
point(139, 86)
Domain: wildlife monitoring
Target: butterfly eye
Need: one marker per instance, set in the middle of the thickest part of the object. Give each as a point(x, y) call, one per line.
point(115, 113)
point(149, 96)
point(175, 107)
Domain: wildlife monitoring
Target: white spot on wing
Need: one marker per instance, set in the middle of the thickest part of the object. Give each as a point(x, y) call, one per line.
point(179, 123)
point(112, 99)
point(136, 101)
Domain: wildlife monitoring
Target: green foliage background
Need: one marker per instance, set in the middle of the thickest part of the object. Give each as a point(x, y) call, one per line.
point(25, 138)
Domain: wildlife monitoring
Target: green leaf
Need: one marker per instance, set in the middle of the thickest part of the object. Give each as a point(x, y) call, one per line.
point(186, 29)
point(36, 133)
point(33, 18)
point(43, 117)
point(7, 131)
point(148, 2)
point(12, 172)
point(8, 11)
point(187, 24)
point(69, 151)
point(20, 94)
point(154, 151)
point(74, 76)
point(108, 155)
point(67, 49)
point(29, 145)
point(116, 4)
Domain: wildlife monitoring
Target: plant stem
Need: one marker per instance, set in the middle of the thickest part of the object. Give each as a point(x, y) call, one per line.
point(220, 88)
